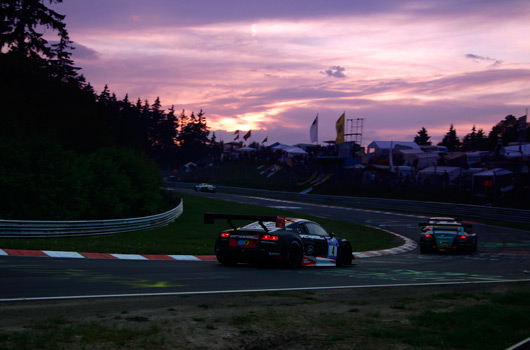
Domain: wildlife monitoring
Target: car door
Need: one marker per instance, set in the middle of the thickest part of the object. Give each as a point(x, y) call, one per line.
point(324, 245)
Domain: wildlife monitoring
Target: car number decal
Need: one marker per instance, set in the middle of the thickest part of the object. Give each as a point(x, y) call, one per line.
point(333, 247)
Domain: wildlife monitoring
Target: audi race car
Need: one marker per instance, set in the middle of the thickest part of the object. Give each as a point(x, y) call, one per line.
point(448, 236)
point(289, 242)
point(204, 187)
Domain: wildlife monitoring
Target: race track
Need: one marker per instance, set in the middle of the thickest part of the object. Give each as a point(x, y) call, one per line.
point(503, 256)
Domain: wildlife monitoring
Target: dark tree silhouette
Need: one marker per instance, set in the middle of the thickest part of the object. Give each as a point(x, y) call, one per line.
point(475, 140)
point(21, 19)
point(503, 132)
point(62, 66)
point(422, 138)
point(193, 138)
point(451, 140)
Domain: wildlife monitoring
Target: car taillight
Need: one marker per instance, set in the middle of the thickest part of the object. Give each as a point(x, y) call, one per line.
point(462, 237)
point(428, 235)
point(224, 235)
point(269, 238)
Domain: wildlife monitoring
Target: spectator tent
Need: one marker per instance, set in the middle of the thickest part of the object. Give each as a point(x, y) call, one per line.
point(383, 147)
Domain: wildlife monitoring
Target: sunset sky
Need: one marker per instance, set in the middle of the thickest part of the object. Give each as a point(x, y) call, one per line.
point(272, 66)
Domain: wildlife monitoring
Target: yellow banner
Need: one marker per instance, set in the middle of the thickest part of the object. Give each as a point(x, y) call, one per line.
point(340, 130)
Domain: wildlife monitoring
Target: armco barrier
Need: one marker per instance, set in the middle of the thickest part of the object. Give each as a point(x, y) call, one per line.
point(25, 229)
point(434, 208)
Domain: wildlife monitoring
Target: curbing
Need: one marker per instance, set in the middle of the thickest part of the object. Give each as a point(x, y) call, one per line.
point(407, 246)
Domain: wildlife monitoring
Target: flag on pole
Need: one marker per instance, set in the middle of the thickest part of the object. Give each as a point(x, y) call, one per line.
point(247, 135)
point(391, 157)
point(265, 139)
point(236, 133)
point(313, 131)
point(339, 126)
point(521, 129)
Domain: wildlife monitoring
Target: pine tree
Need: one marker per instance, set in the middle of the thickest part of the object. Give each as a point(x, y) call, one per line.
point(21, 19)
point(62, 66)
point(193, 137)
point(450, 140)
point(481, 141)
point(104, 96)
point(422, 138)
point(469, 143)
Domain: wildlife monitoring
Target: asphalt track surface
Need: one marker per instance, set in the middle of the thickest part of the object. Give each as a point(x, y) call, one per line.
point(503, 256)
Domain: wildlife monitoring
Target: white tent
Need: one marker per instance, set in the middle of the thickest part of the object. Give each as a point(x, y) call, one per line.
point(426, 159)
point(494, 179)
point(246, 149)
point(294, 151)
point(378, 147)
point(516, 151)
point(279, 147)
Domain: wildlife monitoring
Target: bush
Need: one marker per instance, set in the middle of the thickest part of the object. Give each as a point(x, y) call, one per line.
point(41, 180)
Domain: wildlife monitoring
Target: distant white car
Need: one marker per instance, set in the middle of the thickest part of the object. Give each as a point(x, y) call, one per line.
point(204, 187)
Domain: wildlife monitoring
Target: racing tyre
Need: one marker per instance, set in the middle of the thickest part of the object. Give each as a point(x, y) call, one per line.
point(223, 259)
point(294, 256)
point(423, 250)
point(344, 256)
point(475, 245)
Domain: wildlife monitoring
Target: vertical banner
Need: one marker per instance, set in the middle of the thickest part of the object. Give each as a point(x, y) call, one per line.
point(340, 129)
point(313, 131)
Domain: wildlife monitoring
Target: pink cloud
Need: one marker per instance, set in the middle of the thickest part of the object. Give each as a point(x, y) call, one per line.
point(272, 66)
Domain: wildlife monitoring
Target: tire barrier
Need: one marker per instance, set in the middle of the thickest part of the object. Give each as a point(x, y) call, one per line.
point(41, 229)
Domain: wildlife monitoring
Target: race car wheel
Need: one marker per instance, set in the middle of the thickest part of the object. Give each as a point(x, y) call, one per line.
point(225, 260)
point(475, 244)
point(423, 250)
point(294, 256)
point(344, 256)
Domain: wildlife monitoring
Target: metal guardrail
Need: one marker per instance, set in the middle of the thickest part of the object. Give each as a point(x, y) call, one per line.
point(435, 208)
point(41, 229)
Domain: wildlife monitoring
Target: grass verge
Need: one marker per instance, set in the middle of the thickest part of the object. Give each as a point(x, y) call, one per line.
point(436, 317)
point(189, 235)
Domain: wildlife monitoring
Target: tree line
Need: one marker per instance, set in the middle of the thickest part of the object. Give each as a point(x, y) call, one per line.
point(67, 152)
point(504, 132)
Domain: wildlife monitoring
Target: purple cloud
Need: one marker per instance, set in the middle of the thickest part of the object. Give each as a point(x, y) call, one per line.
point(83, 52)
point(336, 72)
point(259, 65)
point(477, 58)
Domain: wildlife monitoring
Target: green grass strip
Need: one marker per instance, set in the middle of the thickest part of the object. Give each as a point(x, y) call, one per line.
point(189, 235)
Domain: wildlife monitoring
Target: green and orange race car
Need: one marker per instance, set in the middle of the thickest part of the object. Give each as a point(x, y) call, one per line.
point(447, 236)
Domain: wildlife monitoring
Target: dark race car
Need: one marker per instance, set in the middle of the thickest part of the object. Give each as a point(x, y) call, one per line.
point(287, 241)
point(445, 236)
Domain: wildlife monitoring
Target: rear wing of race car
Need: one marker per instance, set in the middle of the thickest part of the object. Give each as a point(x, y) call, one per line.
point(209, 218)
point(440, 225)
